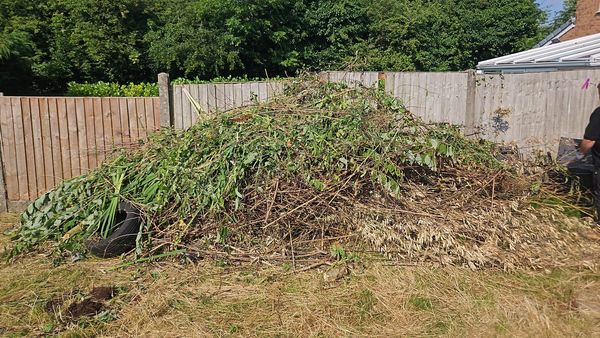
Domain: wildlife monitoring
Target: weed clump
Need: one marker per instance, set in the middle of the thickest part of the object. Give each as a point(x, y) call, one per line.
point(324, 162)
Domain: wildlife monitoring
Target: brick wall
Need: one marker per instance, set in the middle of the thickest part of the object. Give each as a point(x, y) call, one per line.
point(588, 20)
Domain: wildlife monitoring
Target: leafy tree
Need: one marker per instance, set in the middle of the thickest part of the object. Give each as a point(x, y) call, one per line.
point(335, 31)
point(17, 45)
point(566, 13)
point(492, 28)
point(90, 40)
point(428, 35)
point(44, 44)
point(212, 38)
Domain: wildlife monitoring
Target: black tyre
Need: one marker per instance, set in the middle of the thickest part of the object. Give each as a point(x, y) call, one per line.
point(123, 238)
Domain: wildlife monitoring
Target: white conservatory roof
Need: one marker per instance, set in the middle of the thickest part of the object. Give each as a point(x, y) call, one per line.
point(578, 53)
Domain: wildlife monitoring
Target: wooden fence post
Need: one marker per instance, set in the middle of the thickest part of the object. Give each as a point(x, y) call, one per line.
point(3, 196)
point(381, 81)
point(470, 103)
point(3, 201)
point(166, 100)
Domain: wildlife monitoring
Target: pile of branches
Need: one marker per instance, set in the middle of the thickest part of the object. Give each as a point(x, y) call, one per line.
point(323, 163)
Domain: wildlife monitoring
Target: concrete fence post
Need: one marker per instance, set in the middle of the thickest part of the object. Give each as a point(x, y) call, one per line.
point(470, 103)
point(166, 101)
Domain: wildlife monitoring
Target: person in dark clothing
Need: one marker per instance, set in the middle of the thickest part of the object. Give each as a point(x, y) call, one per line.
point(591, 142)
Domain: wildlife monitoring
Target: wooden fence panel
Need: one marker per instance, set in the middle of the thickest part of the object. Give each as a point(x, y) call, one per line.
point(534, 110)
point(218, 97)
point(48, 139)
point(434, 97)
point(353, 79)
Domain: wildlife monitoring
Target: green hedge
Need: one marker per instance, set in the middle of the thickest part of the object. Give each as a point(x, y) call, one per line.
point(221, 79)
point(104, 89)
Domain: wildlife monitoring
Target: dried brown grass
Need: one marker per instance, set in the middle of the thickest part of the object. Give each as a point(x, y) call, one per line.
point(375, 300)
point(203, 300)
point(378, 302)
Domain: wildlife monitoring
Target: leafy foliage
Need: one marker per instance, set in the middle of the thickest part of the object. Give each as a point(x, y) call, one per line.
point(214, 37)
point(47, 43)
point(112, 89)
point(568, 11)
point(222, 79)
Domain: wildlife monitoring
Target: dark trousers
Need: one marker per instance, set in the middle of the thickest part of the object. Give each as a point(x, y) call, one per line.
point(596, 192)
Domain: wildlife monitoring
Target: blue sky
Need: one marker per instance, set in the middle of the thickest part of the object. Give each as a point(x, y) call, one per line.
point(553, 5)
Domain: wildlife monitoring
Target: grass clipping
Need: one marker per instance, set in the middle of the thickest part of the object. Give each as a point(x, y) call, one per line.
point(322, 163)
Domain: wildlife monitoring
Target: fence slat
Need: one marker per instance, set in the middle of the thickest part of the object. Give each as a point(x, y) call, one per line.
point(29, 147)
point(220, 97)
point(246, 94)
point(149, 115)
point(156, 107)
point(90, 119)
point(211, 99)
point(186, 107)
point(203, 97)
point(177, 107)
point(38, 148)
point(57, 139)
point(115, 118)
point(73, 137)
point(262, 92)
point(102, 124)
point(136, 106)
point(237, 95)
point(48, 165)
point(229, 95)
point(124, 122)
point(82, 135)
point(195, 92)
point(20, 149)
point(9, 156)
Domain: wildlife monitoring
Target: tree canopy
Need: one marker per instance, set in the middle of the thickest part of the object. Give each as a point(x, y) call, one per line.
point(45, 44)
point(567, 12)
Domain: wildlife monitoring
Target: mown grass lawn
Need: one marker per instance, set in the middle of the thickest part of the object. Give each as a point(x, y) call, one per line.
point(168, 299)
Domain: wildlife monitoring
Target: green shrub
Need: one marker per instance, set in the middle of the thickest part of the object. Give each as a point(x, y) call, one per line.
point(105, 89)
point(220, 79)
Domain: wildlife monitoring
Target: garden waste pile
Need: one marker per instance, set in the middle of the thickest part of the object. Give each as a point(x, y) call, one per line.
point(322, 165)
